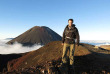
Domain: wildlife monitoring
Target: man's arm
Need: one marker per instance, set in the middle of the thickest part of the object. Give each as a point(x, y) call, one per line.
point(77, 37)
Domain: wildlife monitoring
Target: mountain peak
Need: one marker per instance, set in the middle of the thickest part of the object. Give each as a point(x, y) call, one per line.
point(37, 34)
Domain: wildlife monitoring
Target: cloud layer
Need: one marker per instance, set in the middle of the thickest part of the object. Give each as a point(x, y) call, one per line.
point(16, 47)
point(96, 42)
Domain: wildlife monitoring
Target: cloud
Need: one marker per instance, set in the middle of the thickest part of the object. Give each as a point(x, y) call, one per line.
point(16, 47)
point(96, 42)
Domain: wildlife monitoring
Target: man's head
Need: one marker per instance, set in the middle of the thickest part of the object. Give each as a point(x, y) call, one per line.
point(70, 22)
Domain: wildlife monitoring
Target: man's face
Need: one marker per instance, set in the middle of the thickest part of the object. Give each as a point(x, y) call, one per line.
point(70, 22)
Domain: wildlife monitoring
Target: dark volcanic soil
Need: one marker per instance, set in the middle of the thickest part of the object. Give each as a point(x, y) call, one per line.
point(5, 58)
point(88, 60)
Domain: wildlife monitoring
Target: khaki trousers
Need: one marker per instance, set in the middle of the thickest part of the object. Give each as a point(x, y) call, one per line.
point(71, 53)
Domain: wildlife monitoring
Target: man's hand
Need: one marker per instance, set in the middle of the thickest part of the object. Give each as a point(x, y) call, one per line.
point(62, 43)
point(77, 44)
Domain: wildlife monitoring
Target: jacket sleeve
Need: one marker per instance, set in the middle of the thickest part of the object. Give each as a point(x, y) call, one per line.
point(63, 37)
point(77, 36)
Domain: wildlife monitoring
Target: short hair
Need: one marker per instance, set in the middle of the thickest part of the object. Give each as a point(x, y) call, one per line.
point(71, 20)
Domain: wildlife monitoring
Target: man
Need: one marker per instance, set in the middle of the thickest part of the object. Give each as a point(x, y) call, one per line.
point(68, 40)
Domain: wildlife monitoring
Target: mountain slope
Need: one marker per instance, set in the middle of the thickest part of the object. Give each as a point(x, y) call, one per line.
point(51, 51)
point(40, 35)
point(87, 59)
point(5, 58)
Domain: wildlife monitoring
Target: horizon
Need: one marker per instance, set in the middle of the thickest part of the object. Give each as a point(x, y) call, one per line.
point(90, 17)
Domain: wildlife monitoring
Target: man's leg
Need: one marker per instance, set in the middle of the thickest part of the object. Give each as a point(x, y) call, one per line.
point(64, 56)
point(71, 54)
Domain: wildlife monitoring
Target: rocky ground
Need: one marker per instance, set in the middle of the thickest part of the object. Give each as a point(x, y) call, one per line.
point(47, 59)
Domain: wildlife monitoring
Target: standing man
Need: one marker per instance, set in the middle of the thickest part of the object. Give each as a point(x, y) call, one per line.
point(68, 40)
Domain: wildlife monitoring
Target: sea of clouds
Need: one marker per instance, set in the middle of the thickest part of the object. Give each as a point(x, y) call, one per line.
point(16, 47)
point(96, 42)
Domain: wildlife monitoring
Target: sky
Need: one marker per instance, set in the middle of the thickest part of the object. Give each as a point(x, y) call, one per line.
point(91, 17)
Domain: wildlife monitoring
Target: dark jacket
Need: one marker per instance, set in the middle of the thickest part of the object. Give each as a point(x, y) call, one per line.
point(72, 33)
